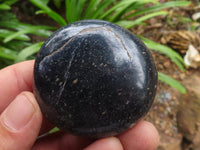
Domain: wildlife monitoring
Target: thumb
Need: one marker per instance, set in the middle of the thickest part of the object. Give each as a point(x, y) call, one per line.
point(20, 123)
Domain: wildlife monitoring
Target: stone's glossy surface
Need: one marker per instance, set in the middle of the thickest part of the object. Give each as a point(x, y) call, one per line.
point(93, 78)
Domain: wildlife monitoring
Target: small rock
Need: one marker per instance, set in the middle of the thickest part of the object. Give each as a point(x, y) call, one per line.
point(99, 73)
point(188, 116)
point(192, 57)
point(196, 16)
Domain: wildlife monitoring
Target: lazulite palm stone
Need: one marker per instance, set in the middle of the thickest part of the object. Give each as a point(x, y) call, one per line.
point(93, 78)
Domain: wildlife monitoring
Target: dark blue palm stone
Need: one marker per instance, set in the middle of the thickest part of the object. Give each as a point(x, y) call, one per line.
point(93, 78)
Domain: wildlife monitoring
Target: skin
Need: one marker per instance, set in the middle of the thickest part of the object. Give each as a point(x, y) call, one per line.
point(19, 130)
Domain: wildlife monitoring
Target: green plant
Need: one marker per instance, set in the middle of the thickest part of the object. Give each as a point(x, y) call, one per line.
point(126, 13)
point(15, 43)
point(168, 80)
point(5, 4)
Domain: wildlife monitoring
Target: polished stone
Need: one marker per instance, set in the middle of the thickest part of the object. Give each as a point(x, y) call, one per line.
point(93, 78)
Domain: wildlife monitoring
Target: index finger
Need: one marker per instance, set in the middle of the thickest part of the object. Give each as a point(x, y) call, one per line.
point(14, 79)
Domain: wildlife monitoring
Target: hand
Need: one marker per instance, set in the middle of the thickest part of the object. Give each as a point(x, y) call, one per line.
point(21, 121)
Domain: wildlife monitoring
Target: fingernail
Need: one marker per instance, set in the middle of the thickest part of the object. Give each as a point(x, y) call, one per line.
point(18, 113)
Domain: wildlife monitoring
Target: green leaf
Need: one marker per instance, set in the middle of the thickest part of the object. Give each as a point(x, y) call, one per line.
point(68, 12)
point(4, 7)
point(100, 9)
point(15, 25)
point(39, 12)
point(7, 53)
point(9, 2)
point(128, 6)
point(74, 9)
point(55, 16)
point(174, 56)
point(170, 81)
point(131, 23)
point(54, 130)
point(16, 45)
point(45, 2)
point(28, 51)
point(6, 33)
point(120, 5)
point(115, 7)
point(92, 7)
point(38, 30)
point(158, 7)
point(79, 9)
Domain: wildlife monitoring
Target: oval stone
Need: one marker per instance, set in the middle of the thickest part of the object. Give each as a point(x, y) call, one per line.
point(93, 78)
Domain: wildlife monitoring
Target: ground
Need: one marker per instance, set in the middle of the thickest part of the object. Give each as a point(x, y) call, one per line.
point(163, 113)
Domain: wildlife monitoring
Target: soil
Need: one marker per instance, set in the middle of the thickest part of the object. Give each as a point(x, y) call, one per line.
point(163, 113)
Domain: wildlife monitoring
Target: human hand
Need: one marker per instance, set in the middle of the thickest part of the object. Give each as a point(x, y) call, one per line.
point(21, 121)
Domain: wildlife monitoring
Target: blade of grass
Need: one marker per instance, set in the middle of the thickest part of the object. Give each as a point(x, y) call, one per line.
point(9, 2)
point(100, 9)
point(74, 9)
point(54, 130)
point(119, 5)
point(158, 7)
point(130, 23)
point(6, 53)
point(28, 51)
point(170, 81)
point(120, 11)
point(174, 56)
point(11, 24)
point(4, 7)
point(92, 6)
point(55, 16)
point(129, 6)
point(116, 6)
point(15, 25)
point(79, 8)
point(68, 11)
point(16, 45)
point(38, 30)
point(39, 12)
point(5, 33)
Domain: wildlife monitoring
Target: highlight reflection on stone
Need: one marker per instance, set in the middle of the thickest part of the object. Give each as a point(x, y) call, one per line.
point(93, 78)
